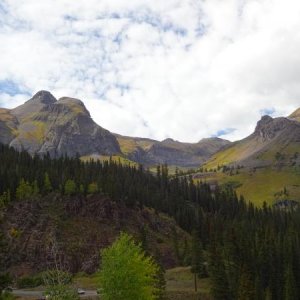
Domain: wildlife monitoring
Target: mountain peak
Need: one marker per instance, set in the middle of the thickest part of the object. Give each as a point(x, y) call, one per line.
point(168, 140)
point(43, 97)
point(37, 103)
point(76, 105)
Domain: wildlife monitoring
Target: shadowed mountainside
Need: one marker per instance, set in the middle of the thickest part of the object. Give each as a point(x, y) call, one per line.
point(74, 229)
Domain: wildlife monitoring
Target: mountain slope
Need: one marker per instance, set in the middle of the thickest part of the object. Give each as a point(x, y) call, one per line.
point(44, 124)
point(75, 229)
point(265, 166)
point(173, 153)
point(274, 141)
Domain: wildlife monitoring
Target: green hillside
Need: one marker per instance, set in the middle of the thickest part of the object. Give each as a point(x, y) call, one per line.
point(260, 185)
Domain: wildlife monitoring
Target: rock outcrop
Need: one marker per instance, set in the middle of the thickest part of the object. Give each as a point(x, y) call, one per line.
point(275, 142)
point(64, 127)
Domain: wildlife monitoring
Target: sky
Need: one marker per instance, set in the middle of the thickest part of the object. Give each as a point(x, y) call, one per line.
point(185, 69)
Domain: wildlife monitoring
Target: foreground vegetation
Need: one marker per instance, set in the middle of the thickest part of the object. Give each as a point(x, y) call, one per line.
point(247, 252)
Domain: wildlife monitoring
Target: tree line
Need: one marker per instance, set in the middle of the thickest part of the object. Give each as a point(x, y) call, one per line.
point(248, 252)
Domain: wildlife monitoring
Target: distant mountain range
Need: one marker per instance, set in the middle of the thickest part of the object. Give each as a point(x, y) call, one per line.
point(44, 124)
point(64, 126)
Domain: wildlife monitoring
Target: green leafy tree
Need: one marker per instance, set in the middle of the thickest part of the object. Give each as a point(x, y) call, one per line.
point(70, 187)
point(127, 273)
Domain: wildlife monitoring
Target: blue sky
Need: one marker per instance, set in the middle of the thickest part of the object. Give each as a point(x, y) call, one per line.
point(184, 69)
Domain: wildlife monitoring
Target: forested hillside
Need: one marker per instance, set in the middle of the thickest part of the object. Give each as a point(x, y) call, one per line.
point(248, 253)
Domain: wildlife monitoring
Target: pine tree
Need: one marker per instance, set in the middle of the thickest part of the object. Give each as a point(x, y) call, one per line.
point(47, 184)
point(70, 187)
point(246, 290)
point(24, 190)
point(198, 267)
point(290, 285)
point(220, 287)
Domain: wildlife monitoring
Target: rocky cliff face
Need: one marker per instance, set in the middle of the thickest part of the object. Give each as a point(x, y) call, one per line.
point(43, 124)
point(268, 128)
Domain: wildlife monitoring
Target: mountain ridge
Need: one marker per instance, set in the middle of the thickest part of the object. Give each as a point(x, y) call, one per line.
point(270, 137)
point(44, 124)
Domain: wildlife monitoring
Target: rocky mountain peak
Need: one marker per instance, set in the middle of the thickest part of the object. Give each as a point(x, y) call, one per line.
point(43, 97)
point(268, 128)
point(37, 103)
point(168, 140)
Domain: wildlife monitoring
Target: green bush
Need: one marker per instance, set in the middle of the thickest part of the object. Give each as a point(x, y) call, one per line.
point(29, 282)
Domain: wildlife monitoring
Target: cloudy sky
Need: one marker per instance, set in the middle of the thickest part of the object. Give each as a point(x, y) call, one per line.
point(185, 69)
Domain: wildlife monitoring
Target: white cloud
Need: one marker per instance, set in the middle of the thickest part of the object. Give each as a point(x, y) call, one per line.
point(183, 69)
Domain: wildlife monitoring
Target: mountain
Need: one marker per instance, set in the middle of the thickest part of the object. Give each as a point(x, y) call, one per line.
point(44, 124)
point(274, 141)
point(263, 167)
point(64, 126)
point(168, 151)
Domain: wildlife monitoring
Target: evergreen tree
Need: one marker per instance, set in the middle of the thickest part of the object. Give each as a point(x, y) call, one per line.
point(290, 285)
point(198, 267)
point(219, 281)
point(70, 187)
point(24, 190)
point(47, 184)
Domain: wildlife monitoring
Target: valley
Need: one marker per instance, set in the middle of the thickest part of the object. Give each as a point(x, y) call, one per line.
point(70, 189)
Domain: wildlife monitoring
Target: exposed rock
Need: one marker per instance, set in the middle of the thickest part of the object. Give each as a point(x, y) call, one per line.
point(46, 125)
point(58, 127)
point(74, 230)
point(274, 142)
point(268, 127)
point(175, 153)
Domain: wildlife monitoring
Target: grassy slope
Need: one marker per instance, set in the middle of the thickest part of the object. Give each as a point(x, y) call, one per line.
point(242, 150)
point(225, 157)
point(261, 185)
point(128, 144)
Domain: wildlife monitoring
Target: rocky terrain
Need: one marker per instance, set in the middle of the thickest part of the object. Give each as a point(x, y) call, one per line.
point(64, 126)
point(275, 141)
point(171, 152)
point(72, 231)
point(44, 124)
